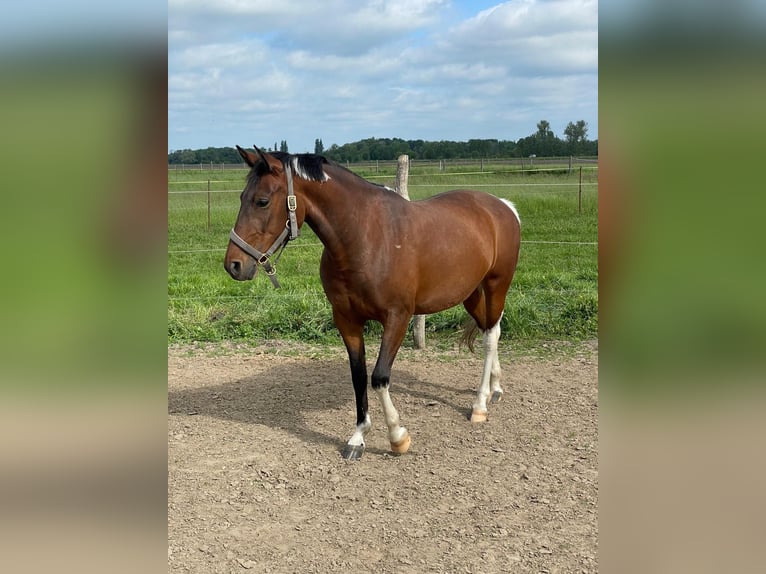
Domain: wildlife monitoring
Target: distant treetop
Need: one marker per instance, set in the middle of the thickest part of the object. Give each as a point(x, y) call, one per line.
point(542, 143)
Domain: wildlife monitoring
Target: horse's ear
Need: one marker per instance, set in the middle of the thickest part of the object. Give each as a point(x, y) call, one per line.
point(250, 158)
point(261, 154)
point(274, 165)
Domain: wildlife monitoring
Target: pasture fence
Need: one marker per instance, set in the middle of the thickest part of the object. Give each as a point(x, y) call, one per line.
point(585, 163)
point(402, 179)
point(558, 176)
point(443, 165)
point(555, 165)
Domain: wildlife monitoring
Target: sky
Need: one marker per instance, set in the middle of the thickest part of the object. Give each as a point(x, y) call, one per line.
point(257, 72)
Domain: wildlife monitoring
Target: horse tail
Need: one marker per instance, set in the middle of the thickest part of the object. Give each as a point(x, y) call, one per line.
point(470, 328)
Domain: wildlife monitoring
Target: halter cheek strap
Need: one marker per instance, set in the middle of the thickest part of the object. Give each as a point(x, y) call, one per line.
point(290, 232)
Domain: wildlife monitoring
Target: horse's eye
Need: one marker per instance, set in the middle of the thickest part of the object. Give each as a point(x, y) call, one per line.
point(262, 202)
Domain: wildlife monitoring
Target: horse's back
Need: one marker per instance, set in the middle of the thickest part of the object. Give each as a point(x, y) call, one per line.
point(462, 209)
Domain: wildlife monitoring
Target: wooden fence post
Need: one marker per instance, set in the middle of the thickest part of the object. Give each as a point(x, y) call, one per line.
point(579, 194)
point(402, 177)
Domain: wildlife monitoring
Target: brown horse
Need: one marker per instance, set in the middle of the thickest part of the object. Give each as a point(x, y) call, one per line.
point(384, 259)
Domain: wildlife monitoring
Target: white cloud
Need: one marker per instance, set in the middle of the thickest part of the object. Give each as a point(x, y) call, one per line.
point(532, 35)
point(344, 70)
point(329, 27)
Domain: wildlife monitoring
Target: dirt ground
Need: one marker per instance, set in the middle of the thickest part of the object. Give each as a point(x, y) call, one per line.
point(256, 482)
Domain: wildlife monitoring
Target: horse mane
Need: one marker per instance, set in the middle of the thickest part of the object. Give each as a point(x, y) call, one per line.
point(309, 166)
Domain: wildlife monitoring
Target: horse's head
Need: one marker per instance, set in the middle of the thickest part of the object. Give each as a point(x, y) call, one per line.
point(264, 223)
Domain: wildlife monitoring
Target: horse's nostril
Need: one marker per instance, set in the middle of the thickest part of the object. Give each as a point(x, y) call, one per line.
point(235, 267)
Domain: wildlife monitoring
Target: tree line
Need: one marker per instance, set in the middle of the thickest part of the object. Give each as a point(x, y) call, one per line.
point(542, 143)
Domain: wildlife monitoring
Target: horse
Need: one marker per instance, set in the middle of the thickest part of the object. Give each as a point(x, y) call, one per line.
point(385, 259)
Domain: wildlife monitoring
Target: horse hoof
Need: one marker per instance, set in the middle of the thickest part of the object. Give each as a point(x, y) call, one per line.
point(352, 451)
point(402, 446)
point(497, 396)
point(479, 416)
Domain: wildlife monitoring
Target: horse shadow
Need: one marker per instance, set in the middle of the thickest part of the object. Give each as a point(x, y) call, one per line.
point(284, 396)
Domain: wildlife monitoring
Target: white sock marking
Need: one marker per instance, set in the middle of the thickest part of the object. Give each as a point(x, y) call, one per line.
point(491, 338)
point(395, 432)
point(357, 438)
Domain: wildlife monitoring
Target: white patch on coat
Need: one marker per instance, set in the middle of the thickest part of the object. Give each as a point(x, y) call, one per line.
point(513, 208)
point(298, 170)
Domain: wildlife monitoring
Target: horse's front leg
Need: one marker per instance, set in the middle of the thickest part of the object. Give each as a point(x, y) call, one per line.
point(393, 334)
point(353, 337)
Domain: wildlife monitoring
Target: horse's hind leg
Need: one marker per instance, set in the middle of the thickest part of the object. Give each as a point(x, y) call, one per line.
point(496, 371)
point(487, 316)
point(490, 377)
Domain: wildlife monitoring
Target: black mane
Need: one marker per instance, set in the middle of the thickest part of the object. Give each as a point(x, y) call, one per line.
point(308, 166)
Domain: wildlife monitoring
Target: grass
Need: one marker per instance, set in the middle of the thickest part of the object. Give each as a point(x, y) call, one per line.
point(554, 295)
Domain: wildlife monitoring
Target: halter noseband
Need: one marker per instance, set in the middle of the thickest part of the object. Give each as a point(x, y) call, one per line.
point(290, 232)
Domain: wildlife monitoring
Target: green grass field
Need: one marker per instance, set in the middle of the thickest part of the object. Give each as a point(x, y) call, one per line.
point(554, 295)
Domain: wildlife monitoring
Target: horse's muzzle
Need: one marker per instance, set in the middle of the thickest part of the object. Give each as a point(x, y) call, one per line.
point(240, 269)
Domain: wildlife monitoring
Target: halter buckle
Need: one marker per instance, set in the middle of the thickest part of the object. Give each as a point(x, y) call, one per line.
point(292, 203)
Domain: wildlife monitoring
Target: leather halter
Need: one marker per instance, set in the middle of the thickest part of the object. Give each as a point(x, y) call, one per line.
point(290, 232)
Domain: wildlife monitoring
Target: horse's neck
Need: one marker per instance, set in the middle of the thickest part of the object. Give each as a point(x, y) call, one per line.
point(336, 211)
